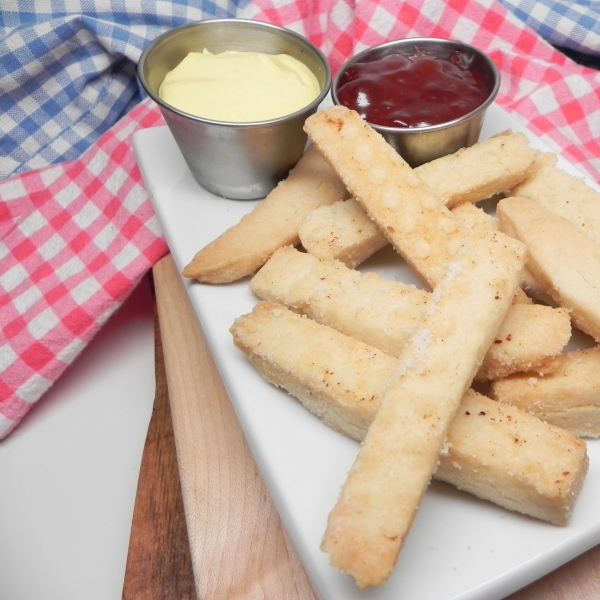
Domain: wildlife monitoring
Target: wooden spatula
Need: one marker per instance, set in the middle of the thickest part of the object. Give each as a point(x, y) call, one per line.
point(238, 547)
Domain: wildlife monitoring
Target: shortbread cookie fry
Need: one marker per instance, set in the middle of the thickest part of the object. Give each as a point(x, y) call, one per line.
point(481, 171)
point(383, 313)
point(341, 231)
point(368, 525)
point(568, 396)
point(530, 336)
point(563, 194)
point(378, 311)
point(472, 215)
point(341, 380)
point(528, 465)
point(337, 377)
point(410, 215)
point(345, 232)
point(563, 258)
point(273, 223)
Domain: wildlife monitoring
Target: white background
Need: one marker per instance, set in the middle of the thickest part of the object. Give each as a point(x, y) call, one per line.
point(69, 471)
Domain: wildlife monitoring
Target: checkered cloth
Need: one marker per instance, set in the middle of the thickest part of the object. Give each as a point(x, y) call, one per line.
point(574, 25)
point(75, 238)
point(67, 70)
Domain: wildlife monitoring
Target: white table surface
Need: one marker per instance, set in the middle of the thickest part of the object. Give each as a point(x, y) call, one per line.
point(69, 471)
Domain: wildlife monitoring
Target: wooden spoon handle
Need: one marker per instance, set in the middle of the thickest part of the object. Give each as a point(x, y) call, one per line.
point(238, 545)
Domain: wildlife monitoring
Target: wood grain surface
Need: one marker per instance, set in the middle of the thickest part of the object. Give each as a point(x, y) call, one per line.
point(238, 546)
point(159, 566)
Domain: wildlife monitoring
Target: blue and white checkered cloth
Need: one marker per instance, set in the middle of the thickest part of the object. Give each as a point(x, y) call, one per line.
point(68, 70)
point(67, 67)
point(570, 24)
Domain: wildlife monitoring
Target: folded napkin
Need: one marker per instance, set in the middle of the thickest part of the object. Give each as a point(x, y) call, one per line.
point(78, 236)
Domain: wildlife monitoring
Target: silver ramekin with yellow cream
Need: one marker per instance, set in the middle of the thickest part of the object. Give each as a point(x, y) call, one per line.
point(240, 155)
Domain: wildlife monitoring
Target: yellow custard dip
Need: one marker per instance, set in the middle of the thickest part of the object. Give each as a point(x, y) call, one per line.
point(239, 86)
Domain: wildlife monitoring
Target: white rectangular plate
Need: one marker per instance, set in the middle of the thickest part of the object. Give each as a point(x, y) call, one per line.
point(459, 547)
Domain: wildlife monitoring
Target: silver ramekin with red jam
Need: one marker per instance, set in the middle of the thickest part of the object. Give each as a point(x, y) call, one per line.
point(426, 96)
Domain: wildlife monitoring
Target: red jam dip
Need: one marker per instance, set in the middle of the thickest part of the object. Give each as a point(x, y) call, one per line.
point(417, 90)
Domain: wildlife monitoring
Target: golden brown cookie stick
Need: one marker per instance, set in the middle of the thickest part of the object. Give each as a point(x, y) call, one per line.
point(344, 231)
point(530, 336)
point(568, 395)
point(563, 258)
point(384, 313)
point(273, 223)
point(469, 175)
point(563, 194)
point(375, 310)
point(341, 231)
point(379, 500)
point(410, 215)
point(493, 450)
point(481, 171)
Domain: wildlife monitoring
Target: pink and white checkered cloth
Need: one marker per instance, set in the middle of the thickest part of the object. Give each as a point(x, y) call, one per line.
point(76, 238)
